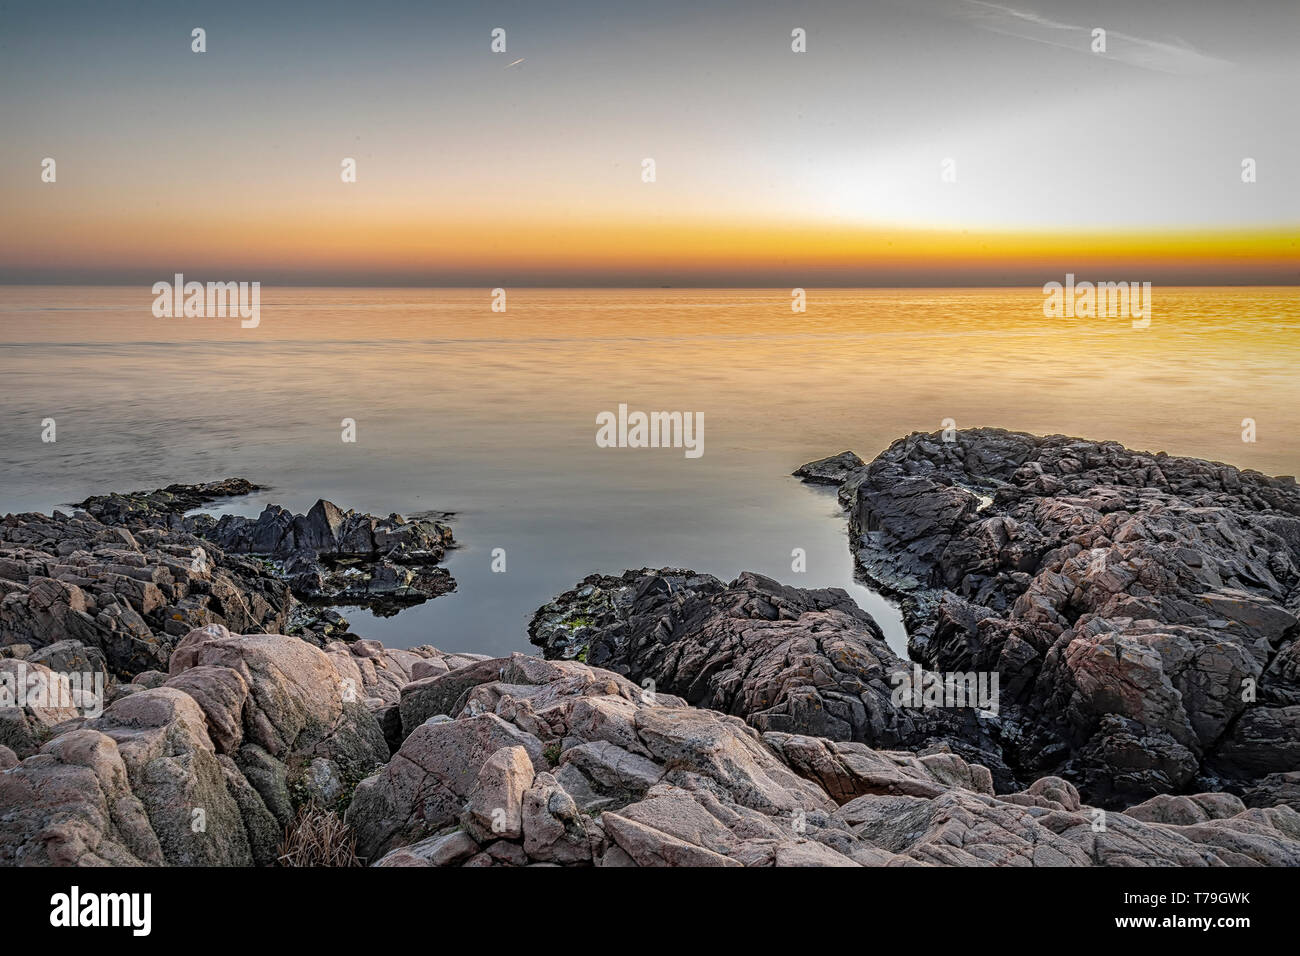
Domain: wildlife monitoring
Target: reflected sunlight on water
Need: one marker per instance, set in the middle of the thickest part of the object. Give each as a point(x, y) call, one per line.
point(492, 415)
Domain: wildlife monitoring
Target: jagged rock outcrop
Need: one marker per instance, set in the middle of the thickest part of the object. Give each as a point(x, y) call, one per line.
point(127, 595)
point(114, 587)
point(626, 777)
point(206, 767)
point(327, 555)
point(785, 659)
point(1140, 609)
point(543, 762)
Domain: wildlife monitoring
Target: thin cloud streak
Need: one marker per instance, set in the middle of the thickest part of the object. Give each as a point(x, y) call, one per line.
point(1155, 55)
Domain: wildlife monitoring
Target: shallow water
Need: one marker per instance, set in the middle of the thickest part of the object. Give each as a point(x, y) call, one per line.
point(492, 416)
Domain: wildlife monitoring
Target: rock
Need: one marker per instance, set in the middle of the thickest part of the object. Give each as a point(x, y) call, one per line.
point(505, 853)
point(647, 846)
point(1183, 811)
point(848, 770)
point(1276, 789)
point(141, 507)
point(834, 470)
point(318, 530)
point(442, 693)
point(1264, 741)
point(727, 752)
point(1132, 603)
point(323, 782)
point(626, 779)
point(329, 555)
point(70, 656)
point(34, 701)
point(602, 775)
point(260, 824)
point(554, 830)
point(426, 784)
point(445, 850)
point(270, 778)
point(296, 700)
point(372, 671)
point(123, 598)
point(222, 693)
point(1141, 612)
point(72, 805)
point(808, 853)
point(787, 659)
point(173, 769)
point(429, 668)
point(495, 807)
point(131, 574)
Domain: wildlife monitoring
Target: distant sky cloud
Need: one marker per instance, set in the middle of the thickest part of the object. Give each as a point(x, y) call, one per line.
point(1162, 56)
point(469, 167)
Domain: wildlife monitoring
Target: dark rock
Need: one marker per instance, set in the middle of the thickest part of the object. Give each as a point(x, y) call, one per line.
point(1140, 608)
point(329, 556)
point(126, 596)
point(785, 659)
point(155, 508)
point(70, 656)
point(132, 574)
point(830, 471)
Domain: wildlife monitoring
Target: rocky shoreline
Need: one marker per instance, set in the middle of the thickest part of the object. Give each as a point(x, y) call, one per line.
point(1141, 608)
point(1140, 612)
point(129, 575)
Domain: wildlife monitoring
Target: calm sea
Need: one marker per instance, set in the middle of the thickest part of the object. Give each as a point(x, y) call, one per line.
point(493, 415)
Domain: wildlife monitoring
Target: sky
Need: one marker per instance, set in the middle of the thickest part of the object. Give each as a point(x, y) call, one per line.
point(771, 167)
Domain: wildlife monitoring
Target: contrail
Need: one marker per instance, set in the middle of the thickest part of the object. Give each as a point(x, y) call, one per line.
point(516, 63)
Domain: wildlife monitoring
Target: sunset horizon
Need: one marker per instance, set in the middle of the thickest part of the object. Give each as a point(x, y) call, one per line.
point(714, 152)
point(731, 256)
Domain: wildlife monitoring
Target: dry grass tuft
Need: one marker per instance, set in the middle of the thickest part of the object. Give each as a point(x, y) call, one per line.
point(318, 837)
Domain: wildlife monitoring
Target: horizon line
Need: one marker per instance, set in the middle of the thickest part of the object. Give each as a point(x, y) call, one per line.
point(653, 286)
